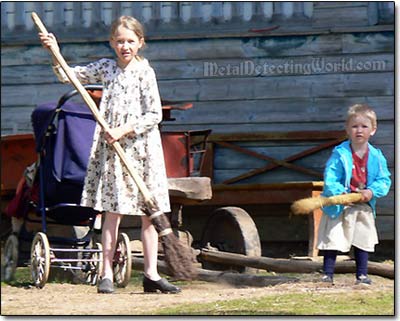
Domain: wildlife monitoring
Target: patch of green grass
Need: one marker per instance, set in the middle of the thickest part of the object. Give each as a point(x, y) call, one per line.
point(22, 277)
point(349, 303)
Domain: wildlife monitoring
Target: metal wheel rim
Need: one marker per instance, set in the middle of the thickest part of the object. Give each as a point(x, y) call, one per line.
point(96, 267)
point(40, 260)
point(122, 261)
point(10, 258)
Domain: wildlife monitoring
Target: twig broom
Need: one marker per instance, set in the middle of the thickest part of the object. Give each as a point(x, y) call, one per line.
point(178, 256)
point(307, 205)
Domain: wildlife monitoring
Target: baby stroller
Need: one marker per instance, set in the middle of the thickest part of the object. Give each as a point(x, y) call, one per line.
point(63, 136)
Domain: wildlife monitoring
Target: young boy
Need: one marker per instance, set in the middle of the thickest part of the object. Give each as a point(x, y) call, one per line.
point(354, 166)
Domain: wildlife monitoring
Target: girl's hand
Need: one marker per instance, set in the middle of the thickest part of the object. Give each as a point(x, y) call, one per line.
point(114, 134)
point(366, 194)
point(49, 41)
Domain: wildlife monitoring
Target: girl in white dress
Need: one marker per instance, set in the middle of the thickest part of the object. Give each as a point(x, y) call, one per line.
point(131, 106)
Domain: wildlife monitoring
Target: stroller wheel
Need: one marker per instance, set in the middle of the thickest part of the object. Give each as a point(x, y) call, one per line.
point(122, 261)
point(40, 259)
point(96, 266)
point(10, 257)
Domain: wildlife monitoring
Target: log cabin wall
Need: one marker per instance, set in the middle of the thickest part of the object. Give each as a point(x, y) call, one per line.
point(248, 67)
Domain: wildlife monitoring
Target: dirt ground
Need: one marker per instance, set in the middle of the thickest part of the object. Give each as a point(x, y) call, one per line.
point(71, 299)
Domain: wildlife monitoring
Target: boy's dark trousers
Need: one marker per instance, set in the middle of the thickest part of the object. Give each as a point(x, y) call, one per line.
point(361, 258)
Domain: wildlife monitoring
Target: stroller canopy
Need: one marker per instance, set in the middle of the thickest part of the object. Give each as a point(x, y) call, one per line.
point(65, 133)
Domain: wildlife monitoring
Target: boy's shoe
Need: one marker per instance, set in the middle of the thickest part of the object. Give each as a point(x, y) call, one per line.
point(327, 279)
point(363, 279)
point(105, 286)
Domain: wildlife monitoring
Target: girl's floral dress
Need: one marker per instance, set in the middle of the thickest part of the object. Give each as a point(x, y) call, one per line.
point(131, 96)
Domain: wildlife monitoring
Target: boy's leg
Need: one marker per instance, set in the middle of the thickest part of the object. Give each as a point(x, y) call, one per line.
point(361, 258)
point(329, 262)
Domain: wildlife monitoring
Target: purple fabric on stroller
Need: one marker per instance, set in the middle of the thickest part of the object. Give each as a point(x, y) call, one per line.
point(70, 146)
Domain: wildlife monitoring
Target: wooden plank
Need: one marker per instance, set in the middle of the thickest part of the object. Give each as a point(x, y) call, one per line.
point(257, 196)
point(365, 43)
point(189, 189)
point(279, 136)
point(300, 49)
point(278, 175)
point(228, 159)
point(281, 110)
point(385, 226)
point(334, 85)
point(339, 4)
point(165, 69)
point(293, 52)
point(340, 16)
point(383, 136)
point(31, 95)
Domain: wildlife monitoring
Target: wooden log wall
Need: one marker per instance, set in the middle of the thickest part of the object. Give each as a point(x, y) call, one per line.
point(301, 74)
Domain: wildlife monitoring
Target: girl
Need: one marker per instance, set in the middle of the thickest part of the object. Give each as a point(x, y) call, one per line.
point(355, 166)
point(132, 107)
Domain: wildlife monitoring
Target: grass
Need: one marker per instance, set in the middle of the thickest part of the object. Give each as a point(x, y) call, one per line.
point(379, 303)
point(22, 277)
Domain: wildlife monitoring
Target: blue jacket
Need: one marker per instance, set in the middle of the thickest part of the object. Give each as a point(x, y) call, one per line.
point(338, 173)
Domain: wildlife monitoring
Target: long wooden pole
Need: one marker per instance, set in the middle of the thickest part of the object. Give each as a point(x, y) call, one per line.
point(93, 107)
point(290, 265)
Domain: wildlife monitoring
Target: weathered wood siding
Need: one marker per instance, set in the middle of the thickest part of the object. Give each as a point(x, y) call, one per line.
point(317, 59)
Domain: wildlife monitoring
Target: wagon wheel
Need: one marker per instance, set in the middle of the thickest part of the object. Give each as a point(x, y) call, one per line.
point(40, 259)
point(95, 266)
point(231, 229)
point(122, 261)
point(10, 257)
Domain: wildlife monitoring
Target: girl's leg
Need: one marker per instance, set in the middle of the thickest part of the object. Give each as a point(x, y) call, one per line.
point(150, 249)
point(361, 257)
point(109, 240)
point(152, 282)
point(329, 262)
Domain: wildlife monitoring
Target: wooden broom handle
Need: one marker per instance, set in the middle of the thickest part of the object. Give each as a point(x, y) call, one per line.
point(93, 108)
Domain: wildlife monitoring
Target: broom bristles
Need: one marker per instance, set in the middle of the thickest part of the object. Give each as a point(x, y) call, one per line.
point(178, 258)
point(307, 205)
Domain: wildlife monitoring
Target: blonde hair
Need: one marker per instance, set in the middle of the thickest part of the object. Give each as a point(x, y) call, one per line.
point(364, 110)
point(130, 23)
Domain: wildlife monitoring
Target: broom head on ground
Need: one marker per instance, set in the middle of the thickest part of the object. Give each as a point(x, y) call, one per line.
point(178, 255)
point(307, 205)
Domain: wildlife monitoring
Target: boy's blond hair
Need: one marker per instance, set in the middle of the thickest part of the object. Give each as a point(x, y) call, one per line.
point(363, 109)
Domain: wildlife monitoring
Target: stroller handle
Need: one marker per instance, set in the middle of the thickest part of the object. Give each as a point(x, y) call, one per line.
point(75, 92)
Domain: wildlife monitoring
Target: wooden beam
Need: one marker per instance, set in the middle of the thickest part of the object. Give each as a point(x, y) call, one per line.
point(291, 265)
point(293, 135)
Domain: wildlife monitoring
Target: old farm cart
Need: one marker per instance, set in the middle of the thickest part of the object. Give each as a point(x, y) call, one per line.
point(270, 181)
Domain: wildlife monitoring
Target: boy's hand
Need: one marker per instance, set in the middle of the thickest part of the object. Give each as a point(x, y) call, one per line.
point(366, 194)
